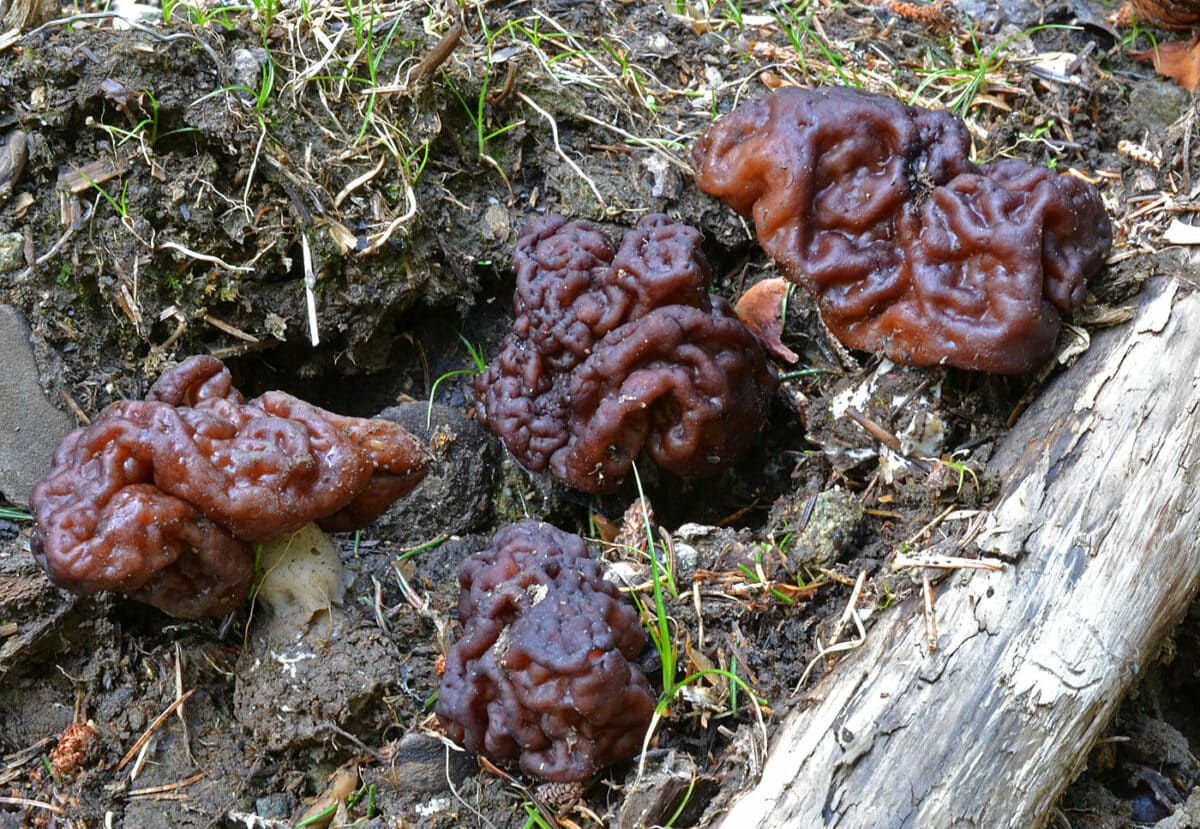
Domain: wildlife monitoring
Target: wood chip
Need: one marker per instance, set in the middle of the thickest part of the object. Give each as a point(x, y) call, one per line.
point(1181, 233)
point(78, 179)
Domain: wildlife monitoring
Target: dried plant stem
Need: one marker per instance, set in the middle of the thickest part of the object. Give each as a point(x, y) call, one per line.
point(158, 721)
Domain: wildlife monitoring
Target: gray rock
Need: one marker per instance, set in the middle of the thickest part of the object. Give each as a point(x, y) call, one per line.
point(423, 784)
point(30, 427)
point(823, 532)
point(14, 152)
point(991, 16)
point(1157, 104)
point(275, 806)
point(247, 68)
point(426, 766)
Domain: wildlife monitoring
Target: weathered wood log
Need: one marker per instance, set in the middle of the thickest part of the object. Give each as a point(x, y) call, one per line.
point(22, 15)
point(1100, 510)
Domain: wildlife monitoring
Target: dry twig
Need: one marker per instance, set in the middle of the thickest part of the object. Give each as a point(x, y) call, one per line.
point(149, 732)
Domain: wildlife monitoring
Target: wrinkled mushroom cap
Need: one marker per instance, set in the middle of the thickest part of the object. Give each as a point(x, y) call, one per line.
point(542, 675)
point(908, 247)
point(613, 352)
point(162, 498)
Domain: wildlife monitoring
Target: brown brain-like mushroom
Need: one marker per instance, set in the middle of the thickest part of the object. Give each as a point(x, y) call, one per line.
point(161, 498)
point(542, 675)
point(615, 351)
point(908, 247)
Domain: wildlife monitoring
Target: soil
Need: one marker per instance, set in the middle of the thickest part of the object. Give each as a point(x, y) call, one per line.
point(186, 188)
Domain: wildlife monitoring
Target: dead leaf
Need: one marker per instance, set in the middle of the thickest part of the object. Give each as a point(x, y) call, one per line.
point(339, 786)
point(761, 309)
point(606, 528)
point(1179, 60)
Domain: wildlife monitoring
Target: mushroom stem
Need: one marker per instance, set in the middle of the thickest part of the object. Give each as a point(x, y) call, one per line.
point(301, 575)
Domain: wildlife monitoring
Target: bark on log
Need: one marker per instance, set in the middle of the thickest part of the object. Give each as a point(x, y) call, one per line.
point(1100, 504)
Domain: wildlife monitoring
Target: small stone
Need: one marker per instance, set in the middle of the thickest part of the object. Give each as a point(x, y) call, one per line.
point(420, 765)
point(821, 534)
point(497, 224)
point(1157, 104)
point(274, 806)
point(676, 790)
point(421, 781)
point(1144, 181)
point(12, 246)
point(32, 427)
point(659, 45)
point(664, 179)
point(247, 68)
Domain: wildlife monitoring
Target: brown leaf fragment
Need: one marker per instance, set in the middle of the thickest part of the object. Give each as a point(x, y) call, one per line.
point(1178, 60)
point(339, 786)
point(606, 528)
point(761, 310)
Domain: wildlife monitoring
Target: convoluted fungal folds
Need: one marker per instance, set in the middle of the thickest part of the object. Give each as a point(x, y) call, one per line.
point(613, 352)
point(908, 247)
point(161, 498)
point(542, 675)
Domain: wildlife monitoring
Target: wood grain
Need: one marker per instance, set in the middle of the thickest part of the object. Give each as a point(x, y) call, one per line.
point(1100, 515)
